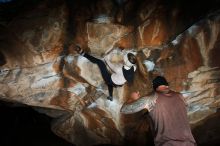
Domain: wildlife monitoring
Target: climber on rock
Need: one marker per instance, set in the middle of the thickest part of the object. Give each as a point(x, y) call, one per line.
point(121, 73)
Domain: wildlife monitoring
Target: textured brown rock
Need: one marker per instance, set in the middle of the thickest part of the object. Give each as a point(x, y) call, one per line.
point(38, 68)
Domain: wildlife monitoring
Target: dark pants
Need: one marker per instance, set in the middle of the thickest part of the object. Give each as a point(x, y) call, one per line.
point(104, 72)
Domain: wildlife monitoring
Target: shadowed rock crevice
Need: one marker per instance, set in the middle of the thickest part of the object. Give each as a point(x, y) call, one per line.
point(206, 135)
point(21, 125)
point(2, 59)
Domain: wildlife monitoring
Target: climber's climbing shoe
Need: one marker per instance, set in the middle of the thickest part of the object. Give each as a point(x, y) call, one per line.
point(110, 98)
point(79, 50)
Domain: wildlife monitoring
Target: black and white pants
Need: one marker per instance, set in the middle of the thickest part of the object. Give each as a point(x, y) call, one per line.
point(106, 75)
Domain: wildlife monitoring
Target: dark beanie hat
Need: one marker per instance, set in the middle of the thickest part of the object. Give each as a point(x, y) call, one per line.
point(159, 80)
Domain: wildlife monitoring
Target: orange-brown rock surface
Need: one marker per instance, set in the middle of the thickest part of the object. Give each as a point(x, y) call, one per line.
point(37, 67)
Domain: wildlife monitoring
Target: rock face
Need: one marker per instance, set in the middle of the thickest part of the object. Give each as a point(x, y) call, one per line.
point(37, 67)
